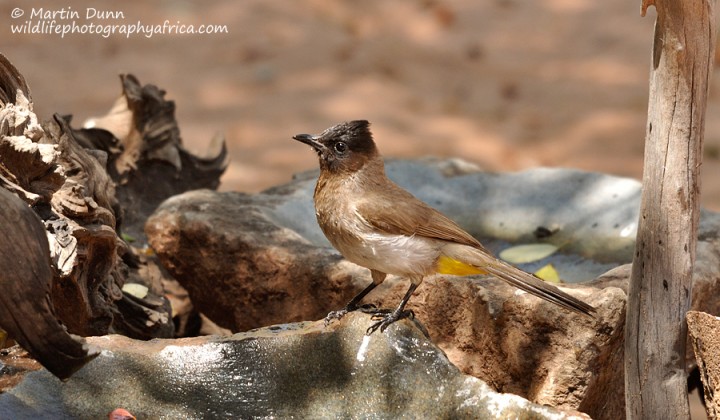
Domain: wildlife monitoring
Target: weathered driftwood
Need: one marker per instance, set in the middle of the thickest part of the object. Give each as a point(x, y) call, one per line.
point(26, 280)
point(661, 286)
point(81, 184)
point(13, 81)
point(150, 165)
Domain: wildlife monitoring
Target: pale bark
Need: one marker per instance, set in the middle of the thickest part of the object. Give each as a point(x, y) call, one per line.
point(661, 284)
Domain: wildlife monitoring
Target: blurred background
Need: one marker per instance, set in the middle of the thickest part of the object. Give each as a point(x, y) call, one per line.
point(507, 84)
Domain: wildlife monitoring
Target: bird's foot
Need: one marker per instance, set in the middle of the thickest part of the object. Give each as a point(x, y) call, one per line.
point(385, 318)
point(368, 308)
point(336, 315)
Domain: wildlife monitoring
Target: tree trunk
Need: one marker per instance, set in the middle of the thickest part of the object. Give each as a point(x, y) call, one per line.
point(661, 283)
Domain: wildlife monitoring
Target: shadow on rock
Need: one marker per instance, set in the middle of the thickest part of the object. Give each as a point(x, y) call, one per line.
point(303, 370)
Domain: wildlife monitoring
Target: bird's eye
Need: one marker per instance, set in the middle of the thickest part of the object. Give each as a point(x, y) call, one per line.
point(341, 147)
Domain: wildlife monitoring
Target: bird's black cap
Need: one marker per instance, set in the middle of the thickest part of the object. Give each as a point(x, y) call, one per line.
point(342, 147)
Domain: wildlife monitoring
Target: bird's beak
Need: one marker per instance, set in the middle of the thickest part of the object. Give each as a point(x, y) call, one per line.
point(310, 140)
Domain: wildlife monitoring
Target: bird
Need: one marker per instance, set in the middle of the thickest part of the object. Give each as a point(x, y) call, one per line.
point(378, 225)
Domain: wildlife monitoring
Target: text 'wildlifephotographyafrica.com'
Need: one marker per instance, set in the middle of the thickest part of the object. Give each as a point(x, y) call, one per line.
point(103, 22)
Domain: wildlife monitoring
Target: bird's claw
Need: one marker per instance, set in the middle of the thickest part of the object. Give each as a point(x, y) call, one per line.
point(387, 318)
point(335, 315)
point(367, 308)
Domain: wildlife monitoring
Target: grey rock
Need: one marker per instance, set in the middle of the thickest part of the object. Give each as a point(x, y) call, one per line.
point(287, 371)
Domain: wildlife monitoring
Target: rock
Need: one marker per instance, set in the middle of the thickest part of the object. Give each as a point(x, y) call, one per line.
point(248, 271)
point(253, 260)
point(522, 345)
point(704, 331)
point(295, 370)
point(15, 363)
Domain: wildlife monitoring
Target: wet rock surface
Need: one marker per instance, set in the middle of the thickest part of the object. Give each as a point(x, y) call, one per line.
point(303, 370)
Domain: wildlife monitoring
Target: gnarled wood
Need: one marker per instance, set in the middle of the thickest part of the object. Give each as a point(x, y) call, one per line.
point(70, 178)
point(26, 311)
point(12, 82)
point(145, 144)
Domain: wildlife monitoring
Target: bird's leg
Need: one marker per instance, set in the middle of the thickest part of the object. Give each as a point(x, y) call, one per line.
point(351, 306)
point(378, 278)
point(396, 315)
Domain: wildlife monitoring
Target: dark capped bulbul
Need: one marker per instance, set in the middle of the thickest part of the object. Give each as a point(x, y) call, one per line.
point(378, 225)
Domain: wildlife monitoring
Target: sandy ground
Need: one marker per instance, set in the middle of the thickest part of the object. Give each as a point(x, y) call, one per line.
point(507, 84)
point(504, 83)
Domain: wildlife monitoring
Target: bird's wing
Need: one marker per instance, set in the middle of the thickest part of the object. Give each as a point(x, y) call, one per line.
point(406, 215)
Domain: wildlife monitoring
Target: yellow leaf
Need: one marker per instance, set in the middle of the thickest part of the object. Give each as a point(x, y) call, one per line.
point(548, 273)
point(521, 254)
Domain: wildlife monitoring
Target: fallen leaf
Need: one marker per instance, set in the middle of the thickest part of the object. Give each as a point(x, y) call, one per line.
point(521, 254)
point(548, 273)
point(135, 289)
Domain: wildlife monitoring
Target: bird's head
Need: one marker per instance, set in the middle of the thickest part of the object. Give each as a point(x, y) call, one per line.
point(345, 147)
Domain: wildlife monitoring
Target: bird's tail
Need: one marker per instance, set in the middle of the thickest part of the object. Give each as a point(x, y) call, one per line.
point(485, 262)
point(535, 286)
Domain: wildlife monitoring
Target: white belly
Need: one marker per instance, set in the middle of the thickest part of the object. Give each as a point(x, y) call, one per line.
point(393, 254)
point(358, 242)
